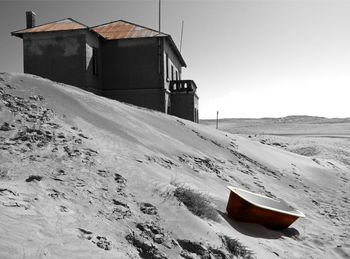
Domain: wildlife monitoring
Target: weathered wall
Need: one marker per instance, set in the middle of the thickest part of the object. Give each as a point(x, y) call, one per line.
point(183, 105)
point(148, 98)
point(132, 72)
point(129, 70)
point(172, 61)
point(93, 82)
point(130, 64)
point(59, 56)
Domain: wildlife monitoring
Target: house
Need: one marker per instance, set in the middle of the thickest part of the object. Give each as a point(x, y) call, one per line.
point(119, 60)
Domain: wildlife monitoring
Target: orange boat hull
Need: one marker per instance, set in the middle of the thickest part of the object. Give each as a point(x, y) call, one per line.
point(242, 210)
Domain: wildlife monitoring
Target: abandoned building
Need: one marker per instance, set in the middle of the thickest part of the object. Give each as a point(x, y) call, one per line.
point(119, 60)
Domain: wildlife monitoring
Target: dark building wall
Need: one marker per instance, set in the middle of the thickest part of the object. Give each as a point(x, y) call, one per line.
point(131, 72)
point(128, 70)
point(59, 56)
point(184, 105)
point(148, 98)
point(130, 64)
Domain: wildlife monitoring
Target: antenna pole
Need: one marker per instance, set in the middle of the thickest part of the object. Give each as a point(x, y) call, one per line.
point(217, 119)
point(182, 31)
point(159, 13)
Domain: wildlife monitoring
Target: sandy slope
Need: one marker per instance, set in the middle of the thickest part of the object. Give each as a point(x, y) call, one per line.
point(108, 171)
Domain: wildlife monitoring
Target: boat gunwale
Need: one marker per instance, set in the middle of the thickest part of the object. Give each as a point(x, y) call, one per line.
point(297, 213)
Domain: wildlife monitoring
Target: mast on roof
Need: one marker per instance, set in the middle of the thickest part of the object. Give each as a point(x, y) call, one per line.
point(159, 14)
point(182, 31)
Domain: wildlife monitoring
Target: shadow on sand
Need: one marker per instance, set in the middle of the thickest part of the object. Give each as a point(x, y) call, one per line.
point(258, 231)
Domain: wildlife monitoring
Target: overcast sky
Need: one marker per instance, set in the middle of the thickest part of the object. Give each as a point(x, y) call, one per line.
point(248, 58)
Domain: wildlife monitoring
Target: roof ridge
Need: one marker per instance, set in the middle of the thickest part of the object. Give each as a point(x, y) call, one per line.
point(135, 24)
point(145, 27)
point(76, 22)
point(68, 18)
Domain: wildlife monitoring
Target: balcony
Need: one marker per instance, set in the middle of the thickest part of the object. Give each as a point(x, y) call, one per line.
point(187, 86)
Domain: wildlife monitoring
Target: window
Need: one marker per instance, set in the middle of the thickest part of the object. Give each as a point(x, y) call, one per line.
point(167, 66)
point(172, 72)
point(94, 62)
point(177, 75)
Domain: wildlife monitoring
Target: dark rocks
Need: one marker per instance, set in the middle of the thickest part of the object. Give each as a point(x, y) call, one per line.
point(146, 248)
point(85, 232)
point(153, 231)
point(34, 178)
point(56, 194)
point(121, 212)
point(100, 241)
point(192, 247)
point(78, 141)
point(119, 203)
point(33, 135)
point(83, 136)
point(36, 97)
point(103, 243)
point(102, 172)
point(158, 238)
point(119, 179)
point(71, 152)
point(148, 208)
point(5, 127)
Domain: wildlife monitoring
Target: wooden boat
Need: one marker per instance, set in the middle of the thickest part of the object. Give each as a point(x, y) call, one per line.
point(255, 208)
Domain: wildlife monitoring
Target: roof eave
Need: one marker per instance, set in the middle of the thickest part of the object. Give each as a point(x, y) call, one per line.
point(177, 52)
point(20, 34)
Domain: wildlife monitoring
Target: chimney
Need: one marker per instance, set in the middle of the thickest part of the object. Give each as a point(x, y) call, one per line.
point(30, 19)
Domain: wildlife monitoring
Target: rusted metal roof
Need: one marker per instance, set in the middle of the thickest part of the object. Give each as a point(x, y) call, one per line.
point(124, 30)
point(61, 25)
point(110, 31)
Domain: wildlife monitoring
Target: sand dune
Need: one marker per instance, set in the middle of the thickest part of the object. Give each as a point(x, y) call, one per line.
point(82, 176)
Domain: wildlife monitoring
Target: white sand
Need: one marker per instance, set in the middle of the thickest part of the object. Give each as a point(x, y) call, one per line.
point(69, 213)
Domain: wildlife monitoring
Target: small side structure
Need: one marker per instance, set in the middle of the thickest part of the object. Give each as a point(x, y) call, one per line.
point(119, 60)
point(184, 100)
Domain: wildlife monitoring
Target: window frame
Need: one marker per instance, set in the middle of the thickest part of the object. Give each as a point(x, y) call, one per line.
point(94, 61)
point(167, 66)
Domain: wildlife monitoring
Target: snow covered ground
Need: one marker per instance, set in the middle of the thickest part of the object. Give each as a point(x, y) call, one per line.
point(82, 176)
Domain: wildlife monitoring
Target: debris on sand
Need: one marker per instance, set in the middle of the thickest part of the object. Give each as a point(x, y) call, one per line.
point(145, 247)
point(193, 247)
point(100, 241)
point(6, 127)
point(148, 208)
point(32, 135)
point(34, 178)
point(103, 243)
point(153, 231)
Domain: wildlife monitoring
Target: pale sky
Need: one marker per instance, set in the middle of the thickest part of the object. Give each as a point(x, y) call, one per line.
point(248, 58)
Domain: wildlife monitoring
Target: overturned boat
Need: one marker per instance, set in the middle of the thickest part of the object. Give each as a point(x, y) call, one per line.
point(250, 207)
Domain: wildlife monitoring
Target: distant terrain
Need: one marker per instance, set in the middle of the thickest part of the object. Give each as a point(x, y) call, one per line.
point(315, 137)
point(82, 176)
point(290, 125)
